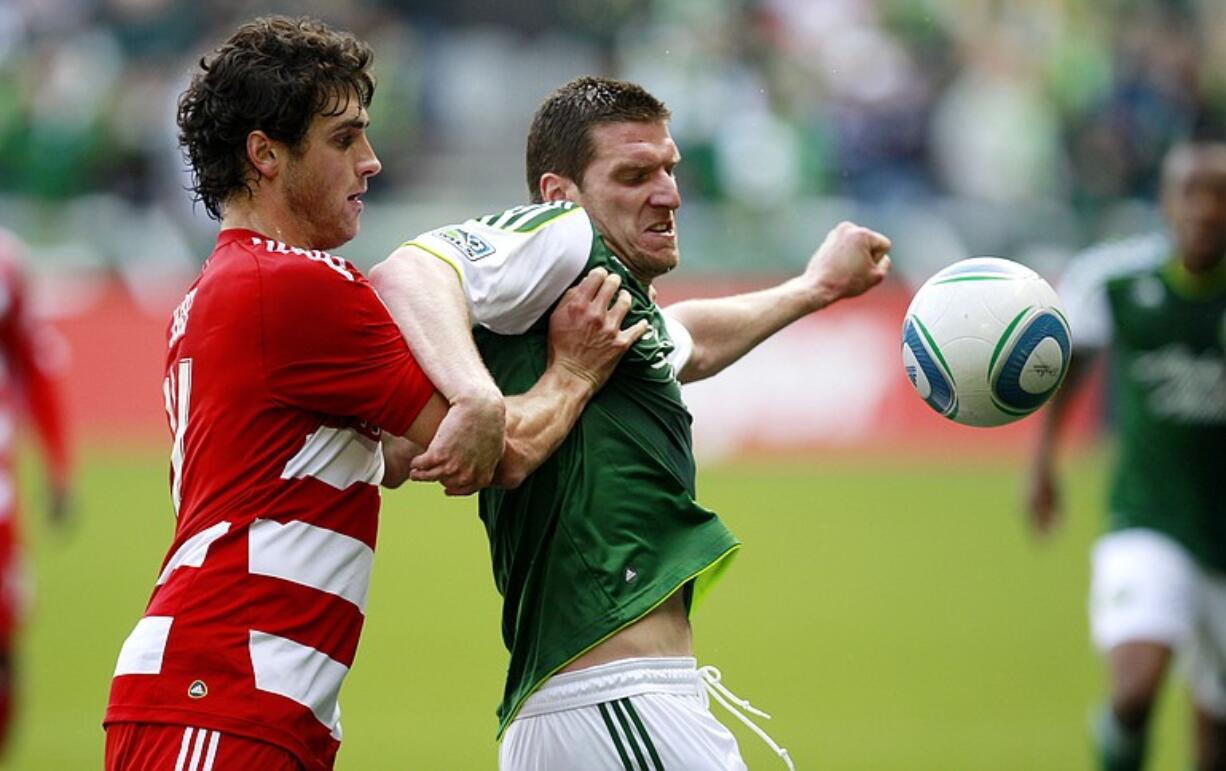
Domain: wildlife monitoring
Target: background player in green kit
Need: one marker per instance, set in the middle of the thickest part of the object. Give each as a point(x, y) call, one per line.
point(1158, 303)
point(602, 553)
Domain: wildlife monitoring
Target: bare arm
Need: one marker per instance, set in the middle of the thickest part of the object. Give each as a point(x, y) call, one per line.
point(1042, 490)
point(424, 297)
point(398, 454)
point(585, 343)
point(850, 261)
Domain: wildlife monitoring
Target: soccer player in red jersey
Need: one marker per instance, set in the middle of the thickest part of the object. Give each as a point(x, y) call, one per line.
point(26, 387)
point(287, 389)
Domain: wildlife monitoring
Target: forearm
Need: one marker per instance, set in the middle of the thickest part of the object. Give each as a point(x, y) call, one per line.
point(538, 421)
point(425, 299)
point(726, 328)
point(398, 455)
point(43, 399)
point(1051, 428)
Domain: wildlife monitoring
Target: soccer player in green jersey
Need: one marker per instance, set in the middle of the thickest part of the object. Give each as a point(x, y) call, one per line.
point(1158, 590)
point(602, 553)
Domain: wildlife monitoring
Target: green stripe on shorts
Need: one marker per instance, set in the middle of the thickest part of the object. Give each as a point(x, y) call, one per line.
point(617, 741)
point(625, 724)
point(651, 747)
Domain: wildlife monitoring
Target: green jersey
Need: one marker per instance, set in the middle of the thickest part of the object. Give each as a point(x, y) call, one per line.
point(1166, 332)
point(608, 527)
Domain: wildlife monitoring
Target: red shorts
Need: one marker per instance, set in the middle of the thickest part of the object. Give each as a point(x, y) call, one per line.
point(153, 747)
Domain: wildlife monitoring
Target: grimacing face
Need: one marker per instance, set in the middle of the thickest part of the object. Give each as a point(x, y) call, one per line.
point(1194, 201)
point(327, 176)
point(631, 195)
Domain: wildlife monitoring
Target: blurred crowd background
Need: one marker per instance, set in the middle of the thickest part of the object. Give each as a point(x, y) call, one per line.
point(1022, 129)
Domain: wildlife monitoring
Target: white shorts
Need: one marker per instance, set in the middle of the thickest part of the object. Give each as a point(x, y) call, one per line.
point(1146, 588)
point(645, 714)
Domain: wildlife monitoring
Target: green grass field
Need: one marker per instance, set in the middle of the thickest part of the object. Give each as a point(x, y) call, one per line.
point(891, 614)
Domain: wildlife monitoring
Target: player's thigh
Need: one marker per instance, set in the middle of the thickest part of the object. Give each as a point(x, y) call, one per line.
point(1143, 588)
point(1210, 741)
point(152, 747)
point(648, 731)
point(1204, 661)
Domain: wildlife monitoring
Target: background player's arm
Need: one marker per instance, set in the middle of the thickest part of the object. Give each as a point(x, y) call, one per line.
point(27, 341)
point(1042, 490)
point(423, 290)
point(585, 343)
point(850, 261)
point(1082, 289)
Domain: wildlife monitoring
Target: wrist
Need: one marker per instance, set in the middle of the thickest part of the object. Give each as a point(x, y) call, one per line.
point(812, 296)
point(481, 399)
point(573, 378)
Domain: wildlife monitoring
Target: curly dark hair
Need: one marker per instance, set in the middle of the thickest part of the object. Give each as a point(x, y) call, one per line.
point(560, 139)
point(274, 74)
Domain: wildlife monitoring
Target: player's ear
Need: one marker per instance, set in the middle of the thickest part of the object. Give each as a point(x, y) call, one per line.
point(263, 153)
point(555, 187)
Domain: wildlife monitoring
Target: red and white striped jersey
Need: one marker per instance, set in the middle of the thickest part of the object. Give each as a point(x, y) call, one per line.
point(283, 367)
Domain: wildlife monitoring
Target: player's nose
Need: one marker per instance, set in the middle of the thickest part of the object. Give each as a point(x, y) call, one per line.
point(368, 163)
point(665, 194)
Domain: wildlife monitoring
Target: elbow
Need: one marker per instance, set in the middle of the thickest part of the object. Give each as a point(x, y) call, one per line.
point(395, 271)
point(380, 276)
point(393, 478)
point(698, 367)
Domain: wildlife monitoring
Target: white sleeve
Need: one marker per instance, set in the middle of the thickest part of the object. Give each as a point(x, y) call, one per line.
point(1083, 292)
point(511, 277)
point(1083, 288)
point(683, 342)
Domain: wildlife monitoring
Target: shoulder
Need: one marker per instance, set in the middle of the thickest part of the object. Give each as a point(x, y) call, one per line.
point(296, 283)
point(310, 266)
point(515, 264)
point(292, 275)
point(548, 231)
point(531, 218)
point(1116, 261)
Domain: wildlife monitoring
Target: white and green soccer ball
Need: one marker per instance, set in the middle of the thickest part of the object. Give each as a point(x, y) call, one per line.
point(985, 342)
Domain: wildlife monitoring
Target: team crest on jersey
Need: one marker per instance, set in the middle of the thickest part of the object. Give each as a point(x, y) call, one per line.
point(197, 690)
point(473, 246)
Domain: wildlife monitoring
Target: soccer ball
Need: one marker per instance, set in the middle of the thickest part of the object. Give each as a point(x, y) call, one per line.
point(985, 342)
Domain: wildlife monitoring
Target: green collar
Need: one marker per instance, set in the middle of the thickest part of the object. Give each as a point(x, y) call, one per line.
point(1193, 286)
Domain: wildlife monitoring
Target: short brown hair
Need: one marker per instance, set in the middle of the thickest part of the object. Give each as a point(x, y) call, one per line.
point(274, 74)
point(560, 140)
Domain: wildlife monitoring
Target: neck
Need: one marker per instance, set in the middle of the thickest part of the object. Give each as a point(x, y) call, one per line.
point(1209, 279)
point(644, 280)
point(264, 219)
point(633, 270)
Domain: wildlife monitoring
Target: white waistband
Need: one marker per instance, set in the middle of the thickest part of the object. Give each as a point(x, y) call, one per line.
point(616, 680)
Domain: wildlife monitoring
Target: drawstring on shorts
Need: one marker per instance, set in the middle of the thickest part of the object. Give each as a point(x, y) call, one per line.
point(711, 679)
